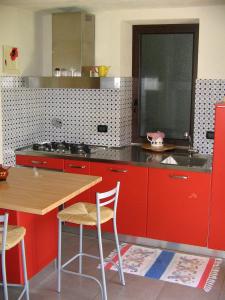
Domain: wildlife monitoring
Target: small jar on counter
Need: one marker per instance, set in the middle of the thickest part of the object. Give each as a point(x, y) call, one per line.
point(57, 72)
point(64, 72)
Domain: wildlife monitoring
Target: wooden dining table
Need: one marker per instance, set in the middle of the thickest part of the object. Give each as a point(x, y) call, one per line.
point(32, 198)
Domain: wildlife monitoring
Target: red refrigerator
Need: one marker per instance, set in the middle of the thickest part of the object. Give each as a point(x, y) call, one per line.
point(217, 209)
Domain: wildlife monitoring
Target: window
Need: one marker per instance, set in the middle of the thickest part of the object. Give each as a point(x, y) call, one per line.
point(165, 65)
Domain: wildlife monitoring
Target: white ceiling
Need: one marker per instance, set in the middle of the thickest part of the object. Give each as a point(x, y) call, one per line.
point(100, 5)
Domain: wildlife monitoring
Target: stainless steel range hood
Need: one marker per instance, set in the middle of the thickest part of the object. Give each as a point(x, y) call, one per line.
point(73, 40)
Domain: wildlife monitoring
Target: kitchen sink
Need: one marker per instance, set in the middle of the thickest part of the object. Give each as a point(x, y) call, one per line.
point(186, 161)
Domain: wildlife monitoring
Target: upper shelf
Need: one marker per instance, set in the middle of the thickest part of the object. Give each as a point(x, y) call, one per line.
point(73, 82)
point(62, 82)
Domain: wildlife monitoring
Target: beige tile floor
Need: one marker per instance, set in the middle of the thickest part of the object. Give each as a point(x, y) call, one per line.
point(43, 286)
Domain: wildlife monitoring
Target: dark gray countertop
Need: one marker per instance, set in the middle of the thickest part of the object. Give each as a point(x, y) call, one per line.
point(132, 155)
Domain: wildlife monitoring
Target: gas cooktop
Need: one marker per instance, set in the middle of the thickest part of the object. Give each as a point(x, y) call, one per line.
point(63, 148)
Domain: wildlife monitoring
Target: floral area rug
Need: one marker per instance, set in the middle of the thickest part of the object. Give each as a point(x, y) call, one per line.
point(190, 270)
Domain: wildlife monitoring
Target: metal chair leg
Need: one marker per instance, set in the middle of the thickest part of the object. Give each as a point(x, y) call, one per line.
point(81, 249)
point(59, 257)
point(102, 263)
point(26, 282)
point(119, 254)
point(4, 280)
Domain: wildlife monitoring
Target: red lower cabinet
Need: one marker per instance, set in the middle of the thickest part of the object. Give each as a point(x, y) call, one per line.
point(178, 207)
point(78, 167)
point(163, 204)
point(132, 205)
point(217, 209)
point(40, 242)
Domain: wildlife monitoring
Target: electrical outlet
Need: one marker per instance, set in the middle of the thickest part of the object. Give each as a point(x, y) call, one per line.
point(102, 128)
point(210, 135)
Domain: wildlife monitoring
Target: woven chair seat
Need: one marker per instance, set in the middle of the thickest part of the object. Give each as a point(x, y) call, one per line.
point(14, 235)
point(85, 213)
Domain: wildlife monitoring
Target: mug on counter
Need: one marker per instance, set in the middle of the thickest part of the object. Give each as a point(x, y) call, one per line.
point(156, 138)
point(103, 71)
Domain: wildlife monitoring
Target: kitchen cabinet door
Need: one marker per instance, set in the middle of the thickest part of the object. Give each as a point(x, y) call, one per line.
point(78, 167)
point(40, 162)
point(37, 240)
point(178, 206)
point(217, 209)
point(132, 204)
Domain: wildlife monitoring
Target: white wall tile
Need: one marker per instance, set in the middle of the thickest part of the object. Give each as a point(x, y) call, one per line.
point(208, 92)
point(28, 115)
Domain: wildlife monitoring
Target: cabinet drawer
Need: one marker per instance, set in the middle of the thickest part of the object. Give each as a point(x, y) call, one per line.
point(76, 166)
point(40, 162)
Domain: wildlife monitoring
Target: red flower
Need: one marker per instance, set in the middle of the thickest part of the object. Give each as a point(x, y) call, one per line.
point(14, 53)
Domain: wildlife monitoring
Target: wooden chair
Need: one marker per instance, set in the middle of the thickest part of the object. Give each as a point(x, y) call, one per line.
point(10, 236)
point(84, 213)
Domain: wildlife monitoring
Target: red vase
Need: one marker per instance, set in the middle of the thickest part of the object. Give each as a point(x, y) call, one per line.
point(3, 173)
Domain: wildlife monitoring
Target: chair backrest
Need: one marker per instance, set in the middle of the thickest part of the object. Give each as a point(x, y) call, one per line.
point(110, 196)
point(3, 231)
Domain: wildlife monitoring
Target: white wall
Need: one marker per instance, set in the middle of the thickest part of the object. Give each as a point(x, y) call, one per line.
point(113, 44)
point(114, 36)
point(32, 34)
point(20, 28)
point(46, 41)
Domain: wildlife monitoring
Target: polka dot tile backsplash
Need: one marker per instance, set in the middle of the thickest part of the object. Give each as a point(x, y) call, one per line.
point(23, 120)
point(29, 115)
point(208, 92)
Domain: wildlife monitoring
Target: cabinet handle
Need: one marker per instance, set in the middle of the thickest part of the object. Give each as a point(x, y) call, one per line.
point(183, 177)
point(36, 162)
point(76, 167)
point(118, 170)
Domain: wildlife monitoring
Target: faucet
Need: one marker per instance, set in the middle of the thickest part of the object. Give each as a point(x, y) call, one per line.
point(191, 150)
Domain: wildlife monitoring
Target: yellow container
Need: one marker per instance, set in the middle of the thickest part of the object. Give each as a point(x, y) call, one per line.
point(103, 71)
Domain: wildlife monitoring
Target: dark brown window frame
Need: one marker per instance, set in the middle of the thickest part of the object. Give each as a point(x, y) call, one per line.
point(138, 30)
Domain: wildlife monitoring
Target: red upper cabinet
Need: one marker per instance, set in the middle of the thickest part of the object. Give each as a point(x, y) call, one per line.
point(132, 205)
point(40, 162)
point(178, 206)
point(217, 215)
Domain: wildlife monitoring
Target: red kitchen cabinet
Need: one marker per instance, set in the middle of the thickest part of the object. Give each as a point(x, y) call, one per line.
point(132, 205)
point(78, 167)
point(40, 162)
point(38, 255)
point(178, 206)
point(217, 207)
